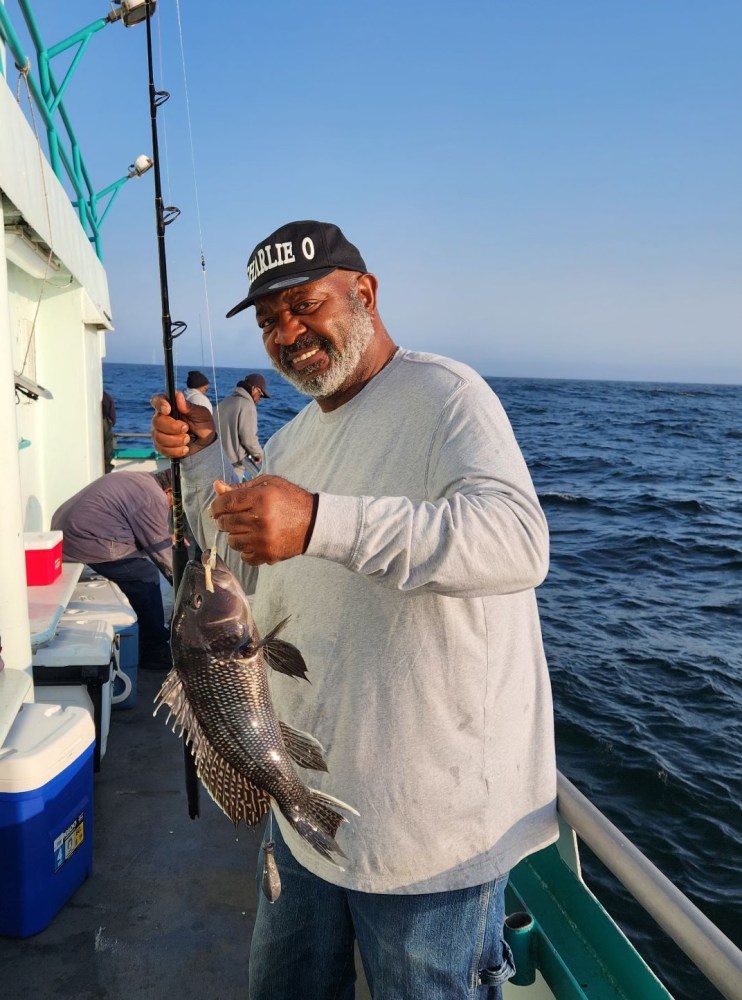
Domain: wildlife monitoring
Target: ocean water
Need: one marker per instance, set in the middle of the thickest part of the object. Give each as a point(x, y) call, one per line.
point(641, 614)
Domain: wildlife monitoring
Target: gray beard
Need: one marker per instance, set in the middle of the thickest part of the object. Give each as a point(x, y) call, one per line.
point(356, 335)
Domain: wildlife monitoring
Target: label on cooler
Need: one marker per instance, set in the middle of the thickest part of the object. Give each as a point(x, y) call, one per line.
point(67, 842)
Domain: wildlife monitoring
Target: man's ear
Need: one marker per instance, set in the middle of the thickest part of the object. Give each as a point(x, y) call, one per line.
point(366, 287)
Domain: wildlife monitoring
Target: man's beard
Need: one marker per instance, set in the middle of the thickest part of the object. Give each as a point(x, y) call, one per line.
point(355, 335)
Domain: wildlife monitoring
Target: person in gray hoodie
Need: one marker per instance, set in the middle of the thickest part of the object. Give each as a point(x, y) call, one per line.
point(237, 422)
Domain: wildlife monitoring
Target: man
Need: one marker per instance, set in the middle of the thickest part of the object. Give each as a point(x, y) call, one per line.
point(108, 408)
point(237, 420)
point(197, 385)
point(118, 525)
point(400, 531)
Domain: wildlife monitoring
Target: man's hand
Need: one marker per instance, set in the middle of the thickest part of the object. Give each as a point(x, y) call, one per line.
point(176, 438)
point(267, 519)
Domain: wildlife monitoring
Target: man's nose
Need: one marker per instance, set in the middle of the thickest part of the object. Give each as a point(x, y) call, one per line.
point(288, 328)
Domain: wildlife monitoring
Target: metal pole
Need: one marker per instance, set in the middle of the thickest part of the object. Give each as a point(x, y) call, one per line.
point(180, 552)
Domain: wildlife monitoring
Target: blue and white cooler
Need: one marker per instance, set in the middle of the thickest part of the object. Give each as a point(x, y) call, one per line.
point(79, 659)
point(46, 814)
point(97, 598)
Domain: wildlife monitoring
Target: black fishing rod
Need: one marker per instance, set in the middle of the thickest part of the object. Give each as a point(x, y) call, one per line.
point(170, 330)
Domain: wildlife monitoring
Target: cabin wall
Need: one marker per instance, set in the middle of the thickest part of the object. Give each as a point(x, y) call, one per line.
point(24, 292)
point(14, 619)
point(72, 429)
point(54, 346)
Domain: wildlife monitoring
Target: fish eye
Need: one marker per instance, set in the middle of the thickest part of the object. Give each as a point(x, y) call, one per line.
point(196, 601)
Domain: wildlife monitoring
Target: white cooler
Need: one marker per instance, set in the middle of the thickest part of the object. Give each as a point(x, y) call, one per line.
point(79, 660)
point(96, 597)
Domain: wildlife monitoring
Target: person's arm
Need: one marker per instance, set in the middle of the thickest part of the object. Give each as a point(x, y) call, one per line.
point(149, 524)
point(483, 532)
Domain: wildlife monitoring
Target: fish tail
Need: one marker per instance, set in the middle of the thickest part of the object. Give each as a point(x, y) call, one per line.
point(318, 823)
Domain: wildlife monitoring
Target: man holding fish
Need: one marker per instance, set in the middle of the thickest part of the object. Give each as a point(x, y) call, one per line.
point(397, 529)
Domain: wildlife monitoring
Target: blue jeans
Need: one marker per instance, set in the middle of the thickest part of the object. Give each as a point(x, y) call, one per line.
point(433, 946)
point(139, 579)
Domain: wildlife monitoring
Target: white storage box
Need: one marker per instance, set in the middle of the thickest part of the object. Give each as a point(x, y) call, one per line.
point(81, 654)
point(96, 597)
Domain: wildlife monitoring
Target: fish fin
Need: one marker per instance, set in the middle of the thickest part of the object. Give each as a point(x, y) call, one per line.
point(274, 631)
point(317, 823)
point(283, 657)
point(330, 800)
point(303, 748)
point(235, 794)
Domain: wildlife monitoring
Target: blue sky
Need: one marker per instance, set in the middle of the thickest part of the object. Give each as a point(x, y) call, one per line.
point(545, 189)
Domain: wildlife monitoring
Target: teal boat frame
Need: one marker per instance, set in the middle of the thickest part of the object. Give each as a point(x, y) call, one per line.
point(47, 95)
point(558, 928)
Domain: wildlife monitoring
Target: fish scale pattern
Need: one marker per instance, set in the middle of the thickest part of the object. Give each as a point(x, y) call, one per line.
point(235, 794)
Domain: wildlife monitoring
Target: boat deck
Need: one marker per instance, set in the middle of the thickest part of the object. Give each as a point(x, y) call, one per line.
point(169, 909)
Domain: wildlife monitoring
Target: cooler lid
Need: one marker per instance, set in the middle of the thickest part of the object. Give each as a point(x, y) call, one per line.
point(35, 540)
point(101, 598)
point(83, 641)
point(41, 743)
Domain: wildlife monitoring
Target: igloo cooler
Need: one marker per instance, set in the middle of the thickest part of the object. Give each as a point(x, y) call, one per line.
point(95, 597)
point(81, 654)
point(46, 814)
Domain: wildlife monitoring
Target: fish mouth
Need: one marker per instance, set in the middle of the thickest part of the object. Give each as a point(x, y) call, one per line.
point(219, 568)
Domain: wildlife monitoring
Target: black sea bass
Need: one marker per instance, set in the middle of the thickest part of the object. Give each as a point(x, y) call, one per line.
point(218, 694)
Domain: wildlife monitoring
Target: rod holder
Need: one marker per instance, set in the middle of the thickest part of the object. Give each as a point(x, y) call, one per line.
point(519, 934)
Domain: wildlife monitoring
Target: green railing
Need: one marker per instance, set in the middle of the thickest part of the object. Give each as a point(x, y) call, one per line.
point(47, 94)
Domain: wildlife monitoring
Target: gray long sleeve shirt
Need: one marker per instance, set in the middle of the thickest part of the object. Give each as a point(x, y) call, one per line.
point(119, 515)
point(415, 610)
point(236, 419)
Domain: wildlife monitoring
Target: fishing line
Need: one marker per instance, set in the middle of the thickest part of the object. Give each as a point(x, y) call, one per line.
point(209, 328)
point(211, 565)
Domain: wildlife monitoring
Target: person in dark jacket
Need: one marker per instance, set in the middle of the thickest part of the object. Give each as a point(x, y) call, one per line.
point(109, 439)
point(119, 526)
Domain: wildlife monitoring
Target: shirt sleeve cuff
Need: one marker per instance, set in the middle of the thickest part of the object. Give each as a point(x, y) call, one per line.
point(337, 528)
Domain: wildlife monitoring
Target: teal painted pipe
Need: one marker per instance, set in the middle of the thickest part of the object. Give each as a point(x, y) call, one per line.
point(520, 935)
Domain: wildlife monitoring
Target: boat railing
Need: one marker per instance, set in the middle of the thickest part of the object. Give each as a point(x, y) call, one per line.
point(708, 948)
point(65, 155)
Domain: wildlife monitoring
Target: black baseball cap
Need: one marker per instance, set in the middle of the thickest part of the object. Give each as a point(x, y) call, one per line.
point(255, 381)
point(296, 254)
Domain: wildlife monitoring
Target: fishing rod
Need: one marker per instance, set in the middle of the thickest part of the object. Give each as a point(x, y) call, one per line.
point(170, 330)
